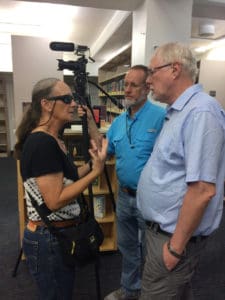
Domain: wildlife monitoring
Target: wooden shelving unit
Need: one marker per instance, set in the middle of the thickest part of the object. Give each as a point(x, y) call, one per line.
point(108, 221)
point(4, 140)
point(114, 87)
point(100, 189)
point(111, 79)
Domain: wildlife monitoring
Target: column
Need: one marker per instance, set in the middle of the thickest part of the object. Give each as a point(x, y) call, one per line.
point(157, 22)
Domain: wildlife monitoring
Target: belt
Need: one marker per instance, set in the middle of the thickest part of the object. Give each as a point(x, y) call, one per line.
point(32, 225)
point(156, 228)
point(129, 191)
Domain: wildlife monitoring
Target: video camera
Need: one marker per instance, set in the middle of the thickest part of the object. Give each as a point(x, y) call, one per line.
point(79, 50)
point(79, 69)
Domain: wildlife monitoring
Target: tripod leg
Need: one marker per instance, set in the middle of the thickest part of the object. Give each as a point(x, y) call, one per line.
point(110, 188)
point(17, 263)
point(97, 278)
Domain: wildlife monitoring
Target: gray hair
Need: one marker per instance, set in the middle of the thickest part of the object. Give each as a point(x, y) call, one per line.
point(142, 68)
point(177, 52)
point(31, 117)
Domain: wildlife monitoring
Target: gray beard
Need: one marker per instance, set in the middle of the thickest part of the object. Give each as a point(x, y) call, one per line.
point(131, 103)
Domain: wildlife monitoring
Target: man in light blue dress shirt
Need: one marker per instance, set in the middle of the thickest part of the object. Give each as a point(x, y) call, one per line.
point(180, 191)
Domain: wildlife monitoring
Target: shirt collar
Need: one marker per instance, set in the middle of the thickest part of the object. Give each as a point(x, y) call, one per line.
point(137, 114)
point(183, 99)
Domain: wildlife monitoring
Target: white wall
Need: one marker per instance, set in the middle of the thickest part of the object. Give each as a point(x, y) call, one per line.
point(156, 22)
point(32, 61)
point(5, 57)
point(211, 76)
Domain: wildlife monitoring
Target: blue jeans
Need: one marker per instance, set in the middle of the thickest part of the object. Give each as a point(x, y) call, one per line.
point(55, 281)
point(130, 232)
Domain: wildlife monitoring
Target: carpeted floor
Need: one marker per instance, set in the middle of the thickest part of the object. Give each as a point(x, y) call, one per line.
point(208, 282)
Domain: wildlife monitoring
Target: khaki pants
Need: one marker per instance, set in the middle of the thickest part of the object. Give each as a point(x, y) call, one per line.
point(160, 284)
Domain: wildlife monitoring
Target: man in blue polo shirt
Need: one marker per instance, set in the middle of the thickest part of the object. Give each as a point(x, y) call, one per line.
point(180, 192)
point(131, 139)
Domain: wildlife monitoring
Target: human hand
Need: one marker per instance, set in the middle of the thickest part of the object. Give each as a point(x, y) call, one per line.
point(82, 110)
point(170, 261)
point(98, 155)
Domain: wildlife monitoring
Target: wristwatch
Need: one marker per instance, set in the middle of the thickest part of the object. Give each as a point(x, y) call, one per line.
point(173, 252)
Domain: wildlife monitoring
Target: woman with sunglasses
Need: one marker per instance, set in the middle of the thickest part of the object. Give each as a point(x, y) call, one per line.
point(53, 181)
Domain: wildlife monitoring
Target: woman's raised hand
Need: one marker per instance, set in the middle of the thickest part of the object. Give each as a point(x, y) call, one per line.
point(98, 156)
point(82, 110)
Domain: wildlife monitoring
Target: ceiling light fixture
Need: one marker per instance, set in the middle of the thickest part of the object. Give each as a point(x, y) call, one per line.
point(206, 30)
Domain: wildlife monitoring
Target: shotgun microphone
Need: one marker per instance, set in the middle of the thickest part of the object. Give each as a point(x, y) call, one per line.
point(67, 47)
point(60, 46)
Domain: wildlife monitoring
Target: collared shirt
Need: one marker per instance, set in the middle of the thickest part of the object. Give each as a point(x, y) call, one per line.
point(131, 140)
point(190, 148)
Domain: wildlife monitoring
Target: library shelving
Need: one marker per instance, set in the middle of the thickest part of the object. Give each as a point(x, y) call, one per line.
point(4, 139)
point(100, 189)
point(114, 86)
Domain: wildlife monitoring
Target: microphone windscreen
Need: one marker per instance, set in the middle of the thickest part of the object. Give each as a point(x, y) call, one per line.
point(60, 46)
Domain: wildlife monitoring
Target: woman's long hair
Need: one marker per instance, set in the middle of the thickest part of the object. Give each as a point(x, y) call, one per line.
point(31, 117)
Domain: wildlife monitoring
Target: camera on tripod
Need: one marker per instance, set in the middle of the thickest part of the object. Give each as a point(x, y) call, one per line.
point(76, 66)
point(79, 69)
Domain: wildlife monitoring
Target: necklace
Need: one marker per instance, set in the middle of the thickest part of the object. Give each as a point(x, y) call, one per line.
point(128, 132)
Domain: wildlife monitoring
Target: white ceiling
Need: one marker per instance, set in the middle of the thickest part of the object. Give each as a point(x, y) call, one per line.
point(103, 25)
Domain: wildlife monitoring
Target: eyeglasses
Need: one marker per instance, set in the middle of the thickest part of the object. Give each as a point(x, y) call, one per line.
point(152, 71)
point(67, 99)
point(133, 85)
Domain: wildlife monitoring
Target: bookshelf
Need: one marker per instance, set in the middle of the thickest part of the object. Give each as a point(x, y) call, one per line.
point(100, 189)
point(4, 139)
point(114, 86)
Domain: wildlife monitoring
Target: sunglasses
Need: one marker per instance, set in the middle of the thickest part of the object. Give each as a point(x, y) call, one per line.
point(67, 99)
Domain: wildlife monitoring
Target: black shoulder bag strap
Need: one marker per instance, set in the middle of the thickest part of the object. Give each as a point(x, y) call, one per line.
point(85, 213)
point(43, 212)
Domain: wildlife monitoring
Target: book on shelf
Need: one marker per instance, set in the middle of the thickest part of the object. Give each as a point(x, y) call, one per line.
point(99, 206)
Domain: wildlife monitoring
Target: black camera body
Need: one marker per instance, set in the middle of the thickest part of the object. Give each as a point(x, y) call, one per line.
point(76, 66)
